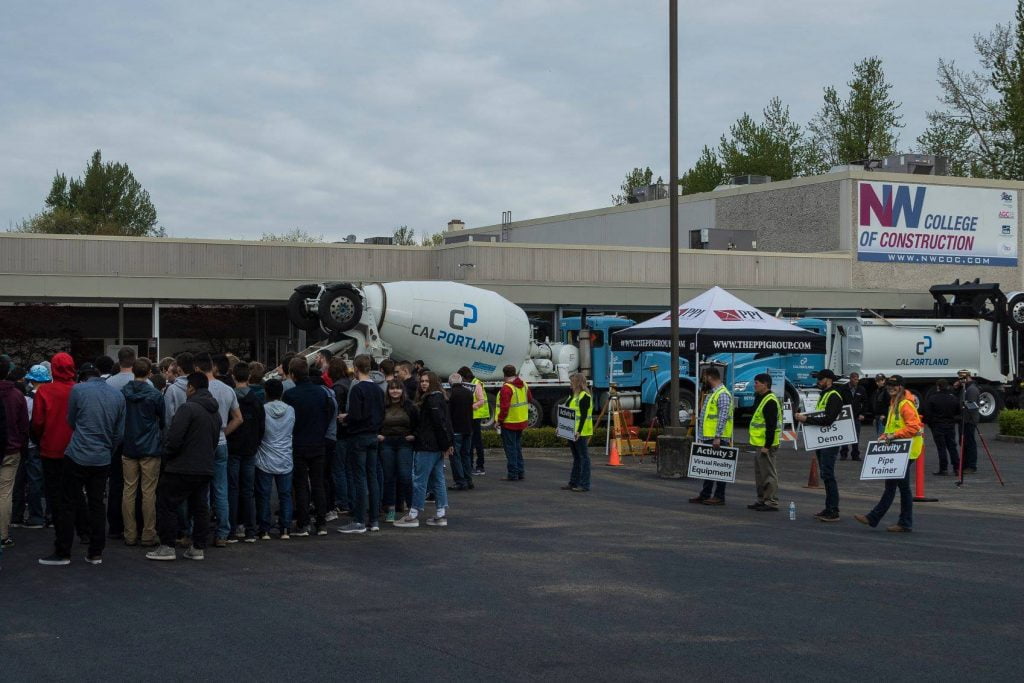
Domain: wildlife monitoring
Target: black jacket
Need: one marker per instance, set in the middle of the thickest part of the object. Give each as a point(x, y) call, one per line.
point(193, 436)
point(860, 400)
point(942, 408)
point(365, 409)
point(880, 402)
point(434, 428)
point(313, 409)
point(833, 407)
point(245, 441)
point(460, 408)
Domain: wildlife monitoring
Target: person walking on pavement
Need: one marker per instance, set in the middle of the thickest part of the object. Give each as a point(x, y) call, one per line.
point(363, 419)
point(96, 414)
point(582, 402)
point(857, 400)
point(16, 411)
point(230, 419)
point(481, 412)
point(941, 412)
point(460, 411)
point(765, 436)
point(434, 439)
point(902, 422)
point(830, 404)
point(513, 416)
point(140, 455)
point(189, 455)
point(715, 428)
point(970, 407)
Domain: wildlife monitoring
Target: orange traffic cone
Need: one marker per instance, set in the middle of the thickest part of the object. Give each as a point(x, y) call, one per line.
point(613, 456)
point(812, 476)
point(920, 497)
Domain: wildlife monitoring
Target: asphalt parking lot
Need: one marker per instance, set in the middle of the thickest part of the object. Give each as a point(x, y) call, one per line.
point(530, 582)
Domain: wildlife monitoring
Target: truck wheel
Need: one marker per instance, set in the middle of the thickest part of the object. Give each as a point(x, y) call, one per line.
point(1015, 310)
point(990, 401)
point(687, 402)
point(340, 308)
point(297, 313)
point(536, 418)
point(553, 411)
point(794, 399)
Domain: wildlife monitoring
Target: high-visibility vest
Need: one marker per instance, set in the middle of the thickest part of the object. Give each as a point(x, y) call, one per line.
point(823, 399)
point(710, 425)
point(519, 407)
point(587, 421)
point(484, 411)
point(758, 429)
point(895, 423)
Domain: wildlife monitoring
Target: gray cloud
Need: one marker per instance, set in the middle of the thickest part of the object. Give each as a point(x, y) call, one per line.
point(241, 118)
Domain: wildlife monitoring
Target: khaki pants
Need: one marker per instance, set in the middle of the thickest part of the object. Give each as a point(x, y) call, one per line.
point(148, 470)
point(767, 477)
point(8, 470)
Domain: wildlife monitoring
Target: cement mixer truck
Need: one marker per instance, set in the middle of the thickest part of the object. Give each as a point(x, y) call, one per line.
point(450, 324)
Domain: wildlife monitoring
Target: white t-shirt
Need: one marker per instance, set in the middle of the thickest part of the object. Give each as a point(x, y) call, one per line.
point(227, 402)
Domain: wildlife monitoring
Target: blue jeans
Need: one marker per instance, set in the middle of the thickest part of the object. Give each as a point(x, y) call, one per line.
point(264, 482)
point(512, 441)
point(219, 491)
point(242, 509)
point(462, 460)
point(340, 475)
point(362, 457)
point(906, 500)
point(428, 470)
point(827, 467)
point(28, 488)
point(580, 475)
point(711, 486)
point(396, 459)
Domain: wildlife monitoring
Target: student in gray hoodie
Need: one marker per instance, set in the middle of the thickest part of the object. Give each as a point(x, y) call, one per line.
point(274, 461)
point(175, 395)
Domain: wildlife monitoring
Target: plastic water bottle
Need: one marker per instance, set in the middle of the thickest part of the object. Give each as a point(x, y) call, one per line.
point(792, 511)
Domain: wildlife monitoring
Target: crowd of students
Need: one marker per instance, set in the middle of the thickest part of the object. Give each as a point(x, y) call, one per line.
point(190, 452)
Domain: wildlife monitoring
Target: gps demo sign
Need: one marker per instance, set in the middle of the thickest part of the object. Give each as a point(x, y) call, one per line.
point(904, 223)
point(840, 433)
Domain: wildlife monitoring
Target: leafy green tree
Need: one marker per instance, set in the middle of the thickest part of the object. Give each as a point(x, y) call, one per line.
point(979, 128)
point(106, 200)
point(435, 240)
point(296, 235)
point(635, 179)
point(864, 125)
point(707, 173)
point(775, 147)
point(404, 236)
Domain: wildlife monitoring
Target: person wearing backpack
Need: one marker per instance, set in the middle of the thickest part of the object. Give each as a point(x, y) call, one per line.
point(242, 446)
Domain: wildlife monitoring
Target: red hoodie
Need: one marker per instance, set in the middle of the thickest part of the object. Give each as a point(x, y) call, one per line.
point(50, 410)
point(505, 402)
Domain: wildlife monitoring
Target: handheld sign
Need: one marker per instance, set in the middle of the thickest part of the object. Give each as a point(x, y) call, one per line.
point(714, 463)
point(778, 376)
point(566, 428)
point(840, 433)
point(886, 460)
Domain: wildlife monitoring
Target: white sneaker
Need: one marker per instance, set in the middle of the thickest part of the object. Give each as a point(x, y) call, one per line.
point(437, 521)
point(408, 522)
point(194, 553)
point(331, 516)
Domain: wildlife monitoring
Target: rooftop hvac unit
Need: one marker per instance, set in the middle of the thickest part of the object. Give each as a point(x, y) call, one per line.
point(749, 179)
point(350, 239)
point(648, 193)
point(379, 240)
point(916, 164)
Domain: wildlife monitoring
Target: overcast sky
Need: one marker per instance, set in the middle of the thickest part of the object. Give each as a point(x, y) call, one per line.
point(355, 117)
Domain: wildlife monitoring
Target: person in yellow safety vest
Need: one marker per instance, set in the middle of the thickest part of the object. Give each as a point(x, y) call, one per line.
point(715, 428)
point(830, 405)
point(583, 403)
point(765, 433)
point(513, 416)
point(903, 422)
point(481, 412)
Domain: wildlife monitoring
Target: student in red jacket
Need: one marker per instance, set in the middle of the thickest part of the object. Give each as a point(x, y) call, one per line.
point(513, 416)
point(52, 432)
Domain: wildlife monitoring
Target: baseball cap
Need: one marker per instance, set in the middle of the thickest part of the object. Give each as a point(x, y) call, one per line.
point(880, 375)
point(88, 370)
point(825, 374)
point(894, 381)
point(38, 374)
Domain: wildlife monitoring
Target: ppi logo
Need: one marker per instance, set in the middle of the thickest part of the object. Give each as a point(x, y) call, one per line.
point(924, 345)
point(738, 315)
point(458, 314)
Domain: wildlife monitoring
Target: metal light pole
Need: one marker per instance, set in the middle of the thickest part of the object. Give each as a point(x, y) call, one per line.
point(673, 208)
